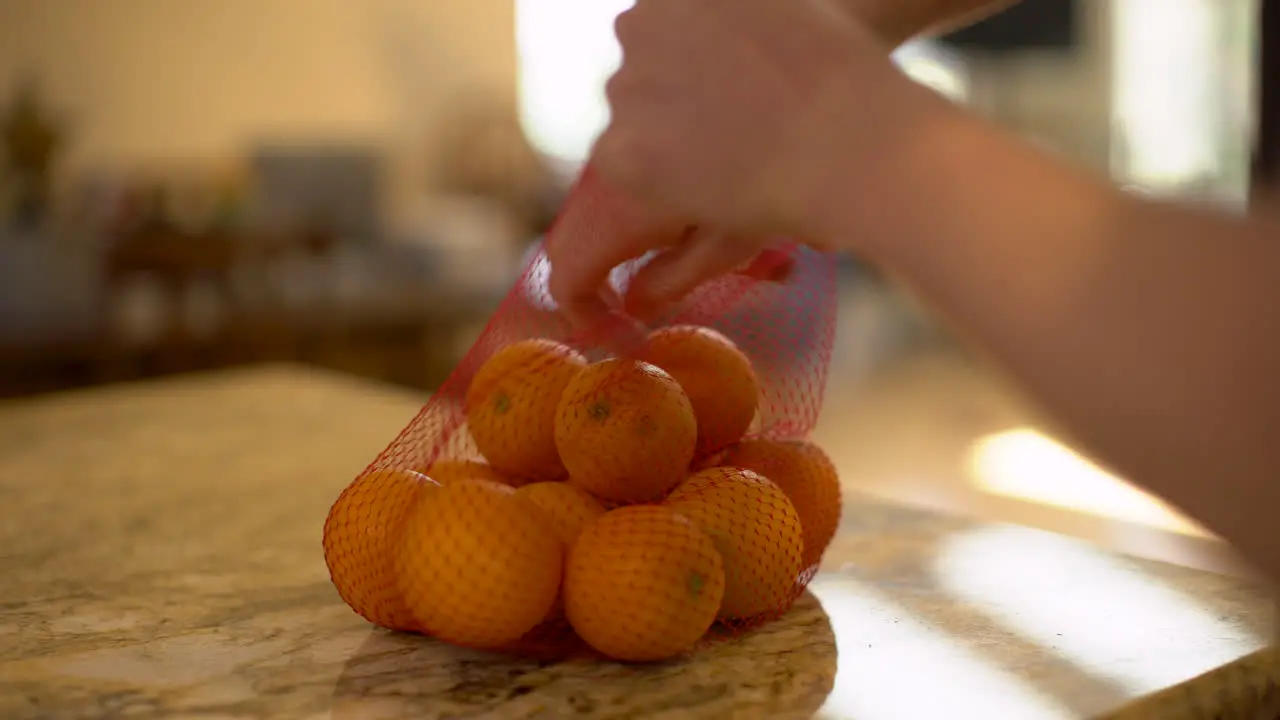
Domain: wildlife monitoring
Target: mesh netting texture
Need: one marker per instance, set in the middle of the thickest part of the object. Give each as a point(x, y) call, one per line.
point(555, 497)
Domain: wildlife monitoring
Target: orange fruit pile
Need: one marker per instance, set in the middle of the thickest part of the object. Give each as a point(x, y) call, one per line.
point(620, 499)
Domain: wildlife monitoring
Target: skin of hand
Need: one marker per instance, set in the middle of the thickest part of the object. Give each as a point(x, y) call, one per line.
point(793, 78)
point(731, 147)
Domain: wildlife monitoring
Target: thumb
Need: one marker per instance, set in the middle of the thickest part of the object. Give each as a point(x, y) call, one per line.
point(678, 271)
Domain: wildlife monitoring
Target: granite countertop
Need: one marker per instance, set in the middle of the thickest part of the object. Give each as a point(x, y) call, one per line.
point(160, 557)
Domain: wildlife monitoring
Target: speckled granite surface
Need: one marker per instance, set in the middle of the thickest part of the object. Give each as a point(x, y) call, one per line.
point(159, 557)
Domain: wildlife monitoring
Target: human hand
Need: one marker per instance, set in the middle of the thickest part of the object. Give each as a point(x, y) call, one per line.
point(731, 123)
point(602, 229)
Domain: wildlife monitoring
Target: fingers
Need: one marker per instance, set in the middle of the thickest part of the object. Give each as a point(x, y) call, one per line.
point(594, 234)
point(676, 272)
point(624, 157)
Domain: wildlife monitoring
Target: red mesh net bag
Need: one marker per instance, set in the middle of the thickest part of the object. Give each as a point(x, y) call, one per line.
point(555, 496)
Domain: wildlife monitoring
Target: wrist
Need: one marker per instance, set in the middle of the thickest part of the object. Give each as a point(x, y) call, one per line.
point(931, 180)
point(949, 202)
point(870, 159)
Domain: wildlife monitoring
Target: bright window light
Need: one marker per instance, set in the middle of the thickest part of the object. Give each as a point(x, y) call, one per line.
point(876, 639)
point(1165, 64)
point(567, 51)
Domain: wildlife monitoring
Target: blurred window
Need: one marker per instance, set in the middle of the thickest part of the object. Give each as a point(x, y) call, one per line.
point(1181, 94)
point(1180, 84)
point(567, 51)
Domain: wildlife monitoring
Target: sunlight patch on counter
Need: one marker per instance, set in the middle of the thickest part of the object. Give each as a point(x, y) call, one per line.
point(892, 665)
point(1107, 616)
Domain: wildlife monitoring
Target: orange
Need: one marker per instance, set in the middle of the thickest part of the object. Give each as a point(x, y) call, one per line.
point(360, 536)
point(477, 566)
point(643, 583)
point(807, 475)
point(568, 509)
point(511, 406)
point(716, 375)
point(757, 531)
point(626, 431)
point(446, 472)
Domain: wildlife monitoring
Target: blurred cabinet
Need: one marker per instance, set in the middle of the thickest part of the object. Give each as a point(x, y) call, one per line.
point(408, 330)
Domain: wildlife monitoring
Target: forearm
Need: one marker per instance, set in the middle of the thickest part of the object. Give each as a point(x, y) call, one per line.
point(896, 21)
point(1151, 332)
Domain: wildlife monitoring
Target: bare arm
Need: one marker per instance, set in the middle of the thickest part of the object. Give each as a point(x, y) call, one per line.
point(1151, 331)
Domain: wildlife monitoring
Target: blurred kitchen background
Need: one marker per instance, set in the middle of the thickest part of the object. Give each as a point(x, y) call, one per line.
point(352, 184)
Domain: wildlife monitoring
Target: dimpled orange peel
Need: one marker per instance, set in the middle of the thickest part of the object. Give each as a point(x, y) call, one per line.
point(643, 583)
point(569, 509)
point(446, 472)
point(478, 566)
point(360, 533)
point(808, 477)
point(626, 431)
point(511, 406)
point(757, 531)
point(715, 374)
